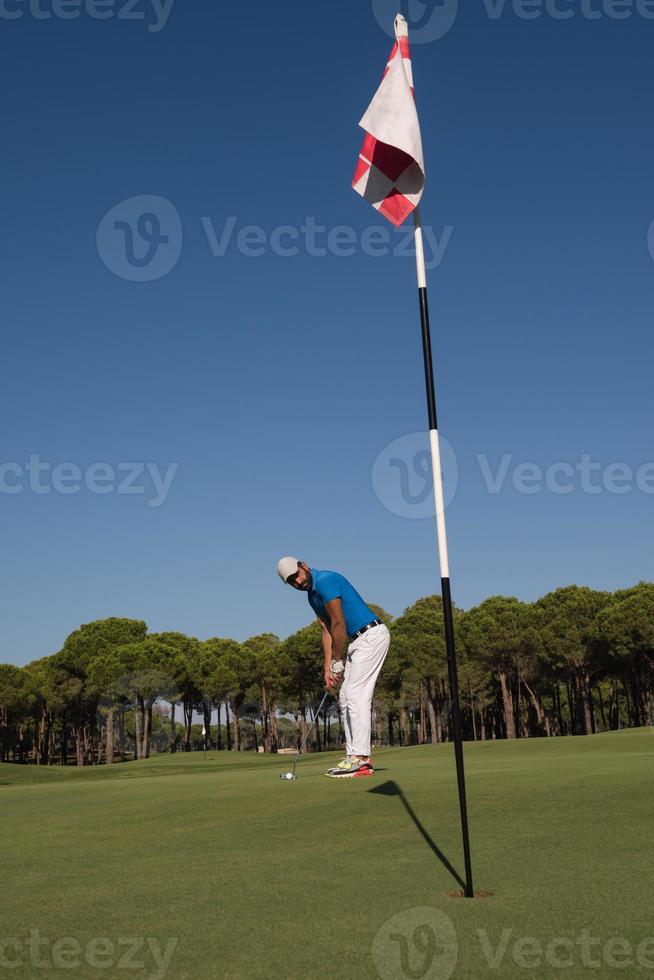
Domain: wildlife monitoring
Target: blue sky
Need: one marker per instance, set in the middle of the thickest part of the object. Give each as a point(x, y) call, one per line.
point(267, 385)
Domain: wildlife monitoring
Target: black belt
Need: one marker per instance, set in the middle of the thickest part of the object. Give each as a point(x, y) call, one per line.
point(368, 626)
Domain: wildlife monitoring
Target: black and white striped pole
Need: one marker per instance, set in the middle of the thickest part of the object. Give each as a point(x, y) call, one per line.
point(442, 545)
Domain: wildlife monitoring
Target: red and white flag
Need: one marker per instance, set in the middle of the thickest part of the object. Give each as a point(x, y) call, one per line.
point(390, 172)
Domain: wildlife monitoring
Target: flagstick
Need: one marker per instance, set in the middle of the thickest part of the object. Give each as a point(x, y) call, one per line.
point(442, 545)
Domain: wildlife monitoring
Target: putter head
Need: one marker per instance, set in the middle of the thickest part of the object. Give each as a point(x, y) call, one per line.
point(288, 775)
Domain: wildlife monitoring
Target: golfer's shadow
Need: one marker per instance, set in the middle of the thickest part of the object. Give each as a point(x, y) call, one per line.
point(391, 788)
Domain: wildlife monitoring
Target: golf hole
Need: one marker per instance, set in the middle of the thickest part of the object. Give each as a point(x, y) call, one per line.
point(461, 894)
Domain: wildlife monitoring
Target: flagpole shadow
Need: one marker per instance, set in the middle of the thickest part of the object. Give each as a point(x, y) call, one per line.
point(391, 788)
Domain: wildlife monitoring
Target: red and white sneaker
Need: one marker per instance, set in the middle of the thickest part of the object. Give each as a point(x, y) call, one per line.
point(352, 769)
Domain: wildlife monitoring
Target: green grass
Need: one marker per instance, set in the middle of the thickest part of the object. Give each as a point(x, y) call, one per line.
point(258, 878)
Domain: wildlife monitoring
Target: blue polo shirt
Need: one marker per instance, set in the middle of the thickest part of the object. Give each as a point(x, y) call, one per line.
point(331, 585)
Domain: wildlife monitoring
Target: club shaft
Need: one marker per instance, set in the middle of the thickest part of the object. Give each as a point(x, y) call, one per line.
point(309, 730)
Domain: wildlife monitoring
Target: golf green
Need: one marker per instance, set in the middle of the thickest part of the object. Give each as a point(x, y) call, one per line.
point(191, 867)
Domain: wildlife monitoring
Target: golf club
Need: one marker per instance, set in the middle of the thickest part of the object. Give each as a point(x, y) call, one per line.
point(291, 773)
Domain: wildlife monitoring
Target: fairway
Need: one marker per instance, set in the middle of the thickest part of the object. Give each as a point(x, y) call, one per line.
point(257, 878)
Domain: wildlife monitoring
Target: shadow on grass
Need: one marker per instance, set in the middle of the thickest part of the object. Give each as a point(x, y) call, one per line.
point(391, 788)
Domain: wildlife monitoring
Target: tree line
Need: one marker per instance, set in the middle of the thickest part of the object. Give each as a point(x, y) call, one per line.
point(575, 662)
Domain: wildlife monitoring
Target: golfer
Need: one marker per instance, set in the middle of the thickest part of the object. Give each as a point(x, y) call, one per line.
point(343, 617)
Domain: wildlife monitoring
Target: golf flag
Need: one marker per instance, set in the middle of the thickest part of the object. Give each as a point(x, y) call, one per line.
point(390, 172)
point(390, 175)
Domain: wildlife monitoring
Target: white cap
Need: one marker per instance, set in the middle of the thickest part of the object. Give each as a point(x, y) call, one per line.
point(286, 567)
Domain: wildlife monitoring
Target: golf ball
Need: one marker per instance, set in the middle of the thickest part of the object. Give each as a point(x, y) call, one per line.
point(288, 775)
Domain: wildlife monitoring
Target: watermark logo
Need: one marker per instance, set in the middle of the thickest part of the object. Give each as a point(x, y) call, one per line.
point(43, 478)
point(421, 944)
point(416, 944)
point(428, 21)
point(650, 239)
point(153, 12)
point(318, 240)
point(100, 953)
point(140, 239)
point(402, 475)
point(585, 475)
point(567, 9)
point(563, 952)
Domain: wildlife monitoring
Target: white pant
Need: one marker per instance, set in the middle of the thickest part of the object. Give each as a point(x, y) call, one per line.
point(365, 657)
